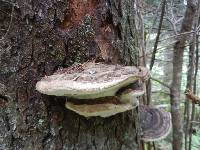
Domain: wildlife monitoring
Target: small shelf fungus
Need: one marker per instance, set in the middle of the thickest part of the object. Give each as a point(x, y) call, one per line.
point(155, 123)
point(97, 89)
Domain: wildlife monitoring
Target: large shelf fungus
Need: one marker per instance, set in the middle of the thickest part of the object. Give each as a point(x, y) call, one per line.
point(97, 89)
point(91, 80)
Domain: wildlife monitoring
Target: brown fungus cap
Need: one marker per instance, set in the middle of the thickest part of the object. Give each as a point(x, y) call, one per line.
point(90, 80)
point(101, 110)
point(155, 123)
point(102, 107)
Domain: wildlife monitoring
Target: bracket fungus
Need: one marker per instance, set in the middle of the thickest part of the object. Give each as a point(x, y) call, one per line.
point(98, 89)
point(155, 123)
point(90, 80)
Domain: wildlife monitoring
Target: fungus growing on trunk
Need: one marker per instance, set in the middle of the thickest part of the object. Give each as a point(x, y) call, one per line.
point(90, 80)
point(105, 106)
point(97, 89)
point(155, 123)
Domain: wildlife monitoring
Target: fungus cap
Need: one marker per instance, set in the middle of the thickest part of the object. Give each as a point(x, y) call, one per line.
point(105, 109)
point(129, 95)
point(155, 123)
point(106, 106)
point(90, 80)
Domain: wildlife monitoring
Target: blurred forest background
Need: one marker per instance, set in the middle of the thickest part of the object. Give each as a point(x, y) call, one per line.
point(162, 24)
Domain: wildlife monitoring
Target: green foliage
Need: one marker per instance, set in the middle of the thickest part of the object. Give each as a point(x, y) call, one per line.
point(152, 2)
point(196, 141)
point(163, 145)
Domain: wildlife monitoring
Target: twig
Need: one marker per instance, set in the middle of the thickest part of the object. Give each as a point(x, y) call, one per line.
point(158, 34)
point(197, 122)
point(163, 47)
point(162, 83)
point(173, 24)
point(154, 21)
point(166, 93)
point(177, 35)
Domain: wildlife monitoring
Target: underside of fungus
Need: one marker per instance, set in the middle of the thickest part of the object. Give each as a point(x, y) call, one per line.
point(155, 123)
point(102, 107)
point(101, 110)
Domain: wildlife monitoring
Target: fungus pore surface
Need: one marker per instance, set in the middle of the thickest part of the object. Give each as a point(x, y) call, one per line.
point(155, 123)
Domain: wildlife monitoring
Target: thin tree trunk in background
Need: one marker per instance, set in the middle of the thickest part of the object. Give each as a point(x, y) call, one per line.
point(148, 89)
point(190, 79)
point(177, 75)
point(44, 36)
point(193, 69)
point(148, 96)
point(191, 125)
point(158, 34)
point(192, 118)
point(194, 90)
point(195, 79)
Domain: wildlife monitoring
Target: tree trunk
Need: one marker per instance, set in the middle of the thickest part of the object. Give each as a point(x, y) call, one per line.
point(195, 75)
point(37, 38)
point(177, 75)
point(191, 80)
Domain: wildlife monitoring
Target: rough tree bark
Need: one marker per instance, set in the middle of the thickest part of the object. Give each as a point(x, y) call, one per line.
point(39, 37)
point(177, 74)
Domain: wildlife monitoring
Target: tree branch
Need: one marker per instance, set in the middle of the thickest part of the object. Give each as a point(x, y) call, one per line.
point(162, 83)
point(158, 35)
